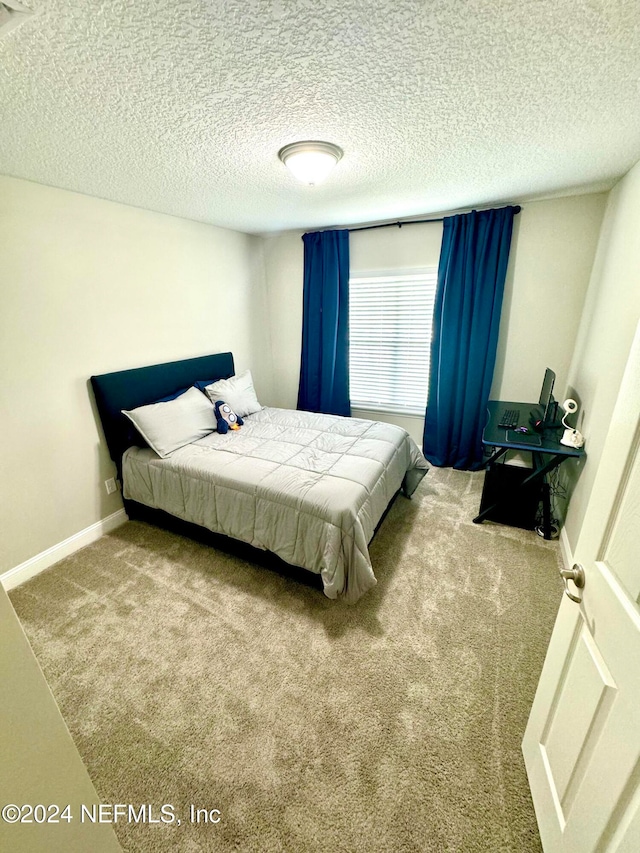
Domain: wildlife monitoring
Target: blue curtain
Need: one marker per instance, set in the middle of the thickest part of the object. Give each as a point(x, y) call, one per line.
point(324, 371)
point(471, 274)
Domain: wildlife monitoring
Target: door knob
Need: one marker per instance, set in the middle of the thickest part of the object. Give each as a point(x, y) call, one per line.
point(575, 574)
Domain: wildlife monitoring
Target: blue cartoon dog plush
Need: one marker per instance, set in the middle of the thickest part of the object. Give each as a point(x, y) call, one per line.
point(226, 417)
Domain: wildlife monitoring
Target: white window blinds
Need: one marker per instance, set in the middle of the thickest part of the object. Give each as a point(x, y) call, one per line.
point(390, 322)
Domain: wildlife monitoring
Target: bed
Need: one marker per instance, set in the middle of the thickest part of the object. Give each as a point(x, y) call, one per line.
point(310, 488)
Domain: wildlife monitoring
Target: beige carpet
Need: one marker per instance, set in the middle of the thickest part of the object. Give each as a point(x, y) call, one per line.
point(187, 675)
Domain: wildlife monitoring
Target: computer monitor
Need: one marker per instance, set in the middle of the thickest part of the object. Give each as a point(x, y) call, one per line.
point(543, 415)
point(546, 392)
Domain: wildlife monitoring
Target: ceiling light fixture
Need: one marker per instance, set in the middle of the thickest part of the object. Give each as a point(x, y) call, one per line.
point(310, 161)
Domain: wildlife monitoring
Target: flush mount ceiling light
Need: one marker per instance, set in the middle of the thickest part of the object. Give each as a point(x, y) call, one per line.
point(310, 161)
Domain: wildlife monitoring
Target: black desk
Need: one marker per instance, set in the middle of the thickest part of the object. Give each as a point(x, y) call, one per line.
point(546, 456)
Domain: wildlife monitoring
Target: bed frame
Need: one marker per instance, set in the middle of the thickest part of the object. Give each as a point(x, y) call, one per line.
point(127, 389)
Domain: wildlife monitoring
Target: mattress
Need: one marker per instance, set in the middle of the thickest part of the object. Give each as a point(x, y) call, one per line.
point(310, 488)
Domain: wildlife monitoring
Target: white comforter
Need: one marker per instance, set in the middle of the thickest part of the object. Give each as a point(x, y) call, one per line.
point(310, 488)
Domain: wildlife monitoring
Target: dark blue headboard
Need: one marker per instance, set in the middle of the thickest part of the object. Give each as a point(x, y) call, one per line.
point(127, 389)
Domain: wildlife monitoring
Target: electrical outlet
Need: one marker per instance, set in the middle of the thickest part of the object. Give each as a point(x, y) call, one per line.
point(110, 486)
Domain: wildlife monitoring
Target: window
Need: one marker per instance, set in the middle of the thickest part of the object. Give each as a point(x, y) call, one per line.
point(390, 321)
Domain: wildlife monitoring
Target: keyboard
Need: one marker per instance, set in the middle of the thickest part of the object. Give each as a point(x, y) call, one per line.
point(509, 419)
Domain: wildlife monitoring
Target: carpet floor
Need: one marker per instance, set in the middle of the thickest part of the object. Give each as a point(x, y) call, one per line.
point(188, 675)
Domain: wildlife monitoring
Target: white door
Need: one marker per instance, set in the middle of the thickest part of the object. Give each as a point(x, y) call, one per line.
point(582, 742)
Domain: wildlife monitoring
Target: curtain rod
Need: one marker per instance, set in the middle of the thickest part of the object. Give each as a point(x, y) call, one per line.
point(399, 224)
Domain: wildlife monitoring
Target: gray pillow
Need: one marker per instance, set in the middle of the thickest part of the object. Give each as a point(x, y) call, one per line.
point(170, 425)
point(238, 392)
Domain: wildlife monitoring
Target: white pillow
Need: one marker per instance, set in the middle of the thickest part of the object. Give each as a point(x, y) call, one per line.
point(238, 392)
point(168, 426)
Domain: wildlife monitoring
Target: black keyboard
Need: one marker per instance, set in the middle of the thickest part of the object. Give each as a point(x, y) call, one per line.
point(509, 419)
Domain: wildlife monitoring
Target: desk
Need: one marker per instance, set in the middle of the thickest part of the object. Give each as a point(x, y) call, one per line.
point(545, 457)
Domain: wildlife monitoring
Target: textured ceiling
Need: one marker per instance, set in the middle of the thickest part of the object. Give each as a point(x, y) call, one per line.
point(181, 106)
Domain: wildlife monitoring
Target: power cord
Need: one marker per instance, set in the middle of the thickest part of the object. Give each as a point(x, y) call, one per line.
point(556, 492)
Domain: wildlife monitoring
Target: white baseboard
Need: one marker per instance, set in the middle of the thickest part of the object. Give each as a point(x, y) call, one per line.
point(565, 549)
point(20, 574)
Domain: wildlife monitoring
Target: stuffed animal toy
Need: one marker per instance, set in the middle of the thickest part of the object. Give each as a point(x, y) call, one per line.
point(226, 417)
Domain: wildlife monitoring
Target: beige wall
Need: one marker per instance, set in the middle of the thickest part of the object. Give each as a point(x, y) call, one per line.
point(550, 263)
point(553, 248)
point(40, 763)
point(89, 286)
point(283, 259)
point(607, 327)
